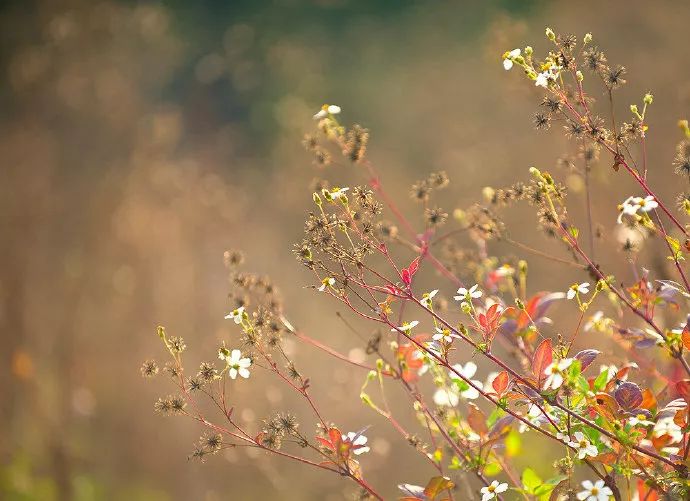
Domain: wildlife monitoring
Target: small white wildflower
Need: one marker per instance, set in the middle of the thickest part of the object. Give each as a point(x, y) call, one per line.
point(427, 298)
point(667, 426)
point(327, 109)
point(628, 207)
point(583, 446)
point(646, 204)
point(468, 294)
point(598, 491)
point(542, 80)
point(337, 193)
point(555, 373)
point(493, 490)
point(442, 334)
point(327, 282)
point(358, 441)
point(575, 289)
point(238, 365)
point(639, 420)
point(406, 327)
point(236, 315)
point(467, 371)
point(508, 58)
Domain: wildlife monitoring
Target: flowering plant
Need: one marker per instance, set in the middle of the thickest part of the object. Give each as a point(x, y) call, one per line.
point(625, 426)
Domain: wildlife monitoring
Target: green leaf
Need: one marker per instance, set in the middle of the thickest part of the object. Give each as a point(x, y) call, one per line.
point(530, 480)
point(601, 379)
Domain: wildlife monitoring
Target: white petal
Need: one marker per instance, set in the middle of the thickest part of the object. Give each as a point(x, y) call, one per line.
point(333, 109)
point(243, 372)
point(232, 373)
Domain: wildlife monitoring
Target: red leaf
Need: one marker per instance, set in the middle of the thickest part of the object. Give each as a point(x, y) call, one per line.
point(407, 273)
point(414, 266)
point(500, 383)
point(543, 357)
point(325, 443)
point(683, 388)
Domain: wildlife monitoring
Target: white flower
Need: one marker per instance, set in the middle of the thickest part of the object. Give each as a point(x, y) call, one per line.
point(667, 426)
point(442, 334)
point(640, 420)
point(596, 321)
point(450, 397)
point(415, 491)
point(358, 441)
point(542, 80)
point(236, 315)
point(583, 446)
point(469, 370)
point(337, 193)
point(575, 289)
point(647, 203)
point(594, 492)
point(549, 74)
point(628, 207)
point(238, 365)
point(555, 373)
point(446, 397)
point(465, 294)
point(492, 491)
point(633, 204)
point(327, 109)
point(427, 297)
point(327, 282)
point(406, 327)
point(508, 58)
point(535, 416)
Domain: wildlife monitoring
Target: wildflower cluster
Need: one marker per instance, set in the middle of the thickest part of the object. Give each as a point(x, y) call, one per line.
point(477, 358)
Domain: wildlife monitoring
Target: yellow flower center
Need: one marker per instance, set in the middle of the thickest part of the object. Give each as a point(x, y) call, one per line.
point(583, 443)
point(594, 491)
point(492, 488)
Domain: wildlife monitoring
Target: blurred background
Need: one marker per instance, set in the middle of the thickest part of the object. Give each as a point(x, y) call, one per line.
point(140, 140)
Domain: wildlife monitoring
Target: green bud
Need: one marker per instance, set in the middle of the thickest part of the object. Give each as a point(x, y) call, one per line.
point(633, 108)
point(379, 364)
point(579, 75)
point(529, 51)
point(588, 38)
point(371, 375)
point(522, 266)
point(519, 303)
point(648, 98)
point(465, 307)
point(550, 34)
point(367, 400)
point(317, 199)
point(535, 172)
point(601, 285)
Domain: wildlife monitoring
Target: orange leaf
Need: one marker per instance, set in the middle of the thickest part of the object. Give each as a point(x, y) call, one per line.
point(477, 420)
point(500, 382)
point(543, 356)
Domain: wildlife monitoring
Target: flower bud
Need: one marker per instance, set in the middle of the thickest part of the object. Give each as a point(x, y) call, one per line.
point(579, 75)
point(550, 34)
point(588, 38)
point(633, 108)
point(529, 51)
point(648, 98)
